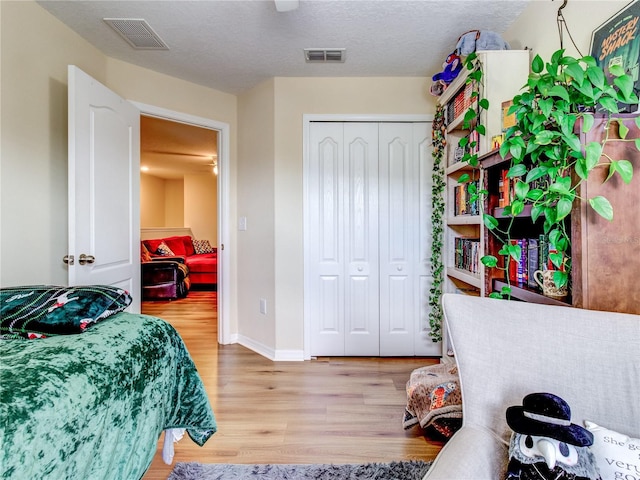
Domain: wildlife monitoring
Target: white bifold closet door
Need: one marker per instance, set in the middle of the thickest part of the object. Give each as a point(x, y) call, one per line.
point(369, 187)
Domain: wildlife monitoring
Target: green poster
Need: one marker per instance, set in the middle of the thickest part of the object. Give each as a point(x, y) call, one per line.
point(617, 42)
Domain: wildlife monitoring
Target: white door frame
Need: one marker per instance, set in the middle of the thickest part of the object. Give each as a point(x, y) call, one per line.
point(224, 274)
point(307, 119)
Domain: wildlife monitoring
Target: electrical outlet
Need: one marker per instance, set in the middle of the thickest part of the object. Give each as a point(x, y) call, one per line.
point(263, 306)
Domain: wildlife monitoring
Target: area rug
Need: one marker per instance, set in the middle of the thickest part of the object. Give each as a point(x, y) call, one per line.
point(407, 470)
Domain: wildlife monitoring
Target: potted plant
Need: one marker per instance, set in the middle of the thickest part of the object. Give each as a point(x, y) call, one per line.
point(548, 162)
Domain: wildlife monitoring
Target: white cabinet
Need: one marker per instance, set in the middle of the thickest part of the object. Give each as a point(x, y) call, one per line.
point(367, 266)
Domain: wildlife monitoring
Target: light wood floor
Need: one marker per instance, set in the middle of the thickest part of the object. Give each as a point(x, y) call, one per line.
point(329, 410)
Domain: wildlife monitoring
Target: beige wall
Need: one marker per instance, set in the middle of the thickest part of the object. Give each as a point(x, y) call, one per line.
point(152, 201)
point(161, 202)
point(174, 200)
point(295, 97)
point(200, 206)
point(256, 245)
point(35, 51)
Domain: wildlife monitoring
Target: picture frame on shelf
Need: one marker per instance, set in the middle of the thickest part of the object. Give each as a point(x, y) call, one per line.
point(617, 42)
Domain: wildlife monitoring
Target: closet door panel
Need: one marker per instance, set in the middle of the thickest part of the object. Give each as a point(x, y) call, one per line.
point(398, 229)
point(325, 198)
point(361, 239)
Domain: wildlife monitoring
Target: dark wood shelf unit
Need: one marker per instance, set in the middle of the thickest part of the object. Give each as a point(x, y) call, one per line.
point(525, 294)
point(604, 254)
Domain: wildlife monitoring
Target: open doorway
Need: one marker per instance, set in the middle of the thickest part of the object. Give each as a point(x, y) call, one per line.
point(182, 151)
point(179, 172)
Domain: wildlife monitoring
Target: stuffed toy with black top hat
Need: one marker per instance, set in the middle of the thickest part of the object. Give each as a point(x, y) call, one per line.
point(545, 444)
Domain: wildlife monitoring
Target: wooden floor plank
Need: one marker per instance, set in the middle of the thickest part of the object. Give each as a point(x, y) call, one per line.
point(327, 410)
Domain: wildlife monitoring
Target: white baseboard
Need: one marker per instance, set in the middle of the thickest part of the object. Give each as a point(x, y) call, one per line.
point(270, 353)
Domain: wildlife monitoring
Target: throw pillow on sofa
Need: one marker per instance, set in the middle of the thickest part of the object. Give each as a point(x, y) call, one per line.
point(617, 455)
point(203, 246)
point(164, 250)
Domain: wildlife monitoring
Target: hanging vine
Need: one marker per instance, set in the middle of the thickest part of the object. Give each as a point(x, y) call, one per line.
point(437, 213)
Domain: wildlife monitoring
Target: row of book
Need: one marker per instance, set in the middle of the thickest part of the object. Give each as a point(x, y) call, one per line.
point(506, 188)
point(534, 255)
point(462, 203)
point(460, 103)
point(467, 254)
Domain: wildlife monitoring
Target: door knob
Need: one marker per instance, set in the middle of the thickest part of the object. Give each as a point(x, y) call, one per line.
point(83, 259)
point(68, 259)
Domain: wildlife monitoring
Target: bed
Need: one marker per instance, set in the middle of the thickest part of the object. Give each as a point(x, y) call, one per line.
point(89, 394)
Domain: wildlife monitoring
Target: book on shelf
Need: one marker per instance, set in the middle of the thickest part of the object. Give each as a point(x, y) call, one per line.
point(534, 255)
point(467, 254)
point(462, 203)
point(532, 263)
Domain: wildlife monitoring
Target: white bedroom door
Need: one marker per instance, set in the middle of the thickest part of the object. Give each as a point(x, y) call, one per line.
point(104, 187)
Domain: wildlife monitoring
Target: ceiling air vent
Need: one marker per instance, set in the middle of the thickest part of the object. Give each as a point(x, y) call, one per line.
point(324, 55)
point(137, 32)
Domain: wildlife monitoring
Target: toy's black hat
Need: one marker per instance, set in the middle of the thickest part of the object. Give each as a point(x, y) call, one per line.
point(547, 415)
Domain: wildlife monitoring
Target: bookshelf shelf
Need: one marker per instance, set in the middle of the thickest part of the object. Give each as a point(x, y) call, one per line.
point(458, 167)
point(464, 220)
point(467, 277)
point(528, 295)
point(498, 213)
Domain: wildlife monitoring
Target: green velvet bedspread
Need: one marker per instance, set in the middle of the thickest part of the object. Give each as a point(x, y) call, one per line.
point(93, 405)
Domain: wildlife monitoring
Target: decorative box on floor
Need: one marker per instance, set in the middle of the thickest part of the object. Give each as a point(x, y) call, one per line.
point(434, 400)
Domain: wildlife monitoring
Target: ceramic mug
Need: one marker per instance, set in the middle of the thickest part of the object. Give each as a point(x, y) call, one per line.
point(544, 278)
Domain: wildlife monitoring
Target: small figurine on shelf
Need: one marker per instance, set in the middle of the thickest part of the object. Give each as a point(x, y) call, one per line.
point(450, 70)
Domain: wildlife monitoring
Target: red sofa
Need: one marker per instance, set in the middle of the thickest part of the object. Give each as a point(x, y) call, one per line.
point(203, 266)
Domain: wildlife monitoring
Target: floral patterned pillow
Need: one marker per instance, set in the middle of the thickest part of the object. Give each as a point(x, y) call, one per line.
point(203, 246)
point(164, 250)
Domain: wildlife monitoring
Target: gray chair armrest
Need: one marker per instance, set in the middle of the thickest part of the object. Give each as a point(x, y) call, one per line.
point(471, 454)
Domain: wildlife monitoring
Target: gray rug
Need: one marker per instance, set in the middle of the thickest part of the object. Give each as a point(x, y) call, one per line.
point(408, 470)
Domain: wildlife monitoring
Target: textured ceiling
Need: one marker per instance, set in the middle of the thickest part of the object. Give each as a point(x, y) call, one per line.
point(233, 45)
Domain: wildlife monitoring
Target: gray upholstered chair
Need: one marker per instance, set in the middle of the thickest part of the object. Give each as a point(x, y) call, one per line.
point(507, 349)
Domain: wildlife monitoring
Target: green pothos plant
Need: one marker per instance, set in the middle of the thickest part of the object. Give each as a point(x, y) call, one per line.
point(437, 203)
point(548, 162)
